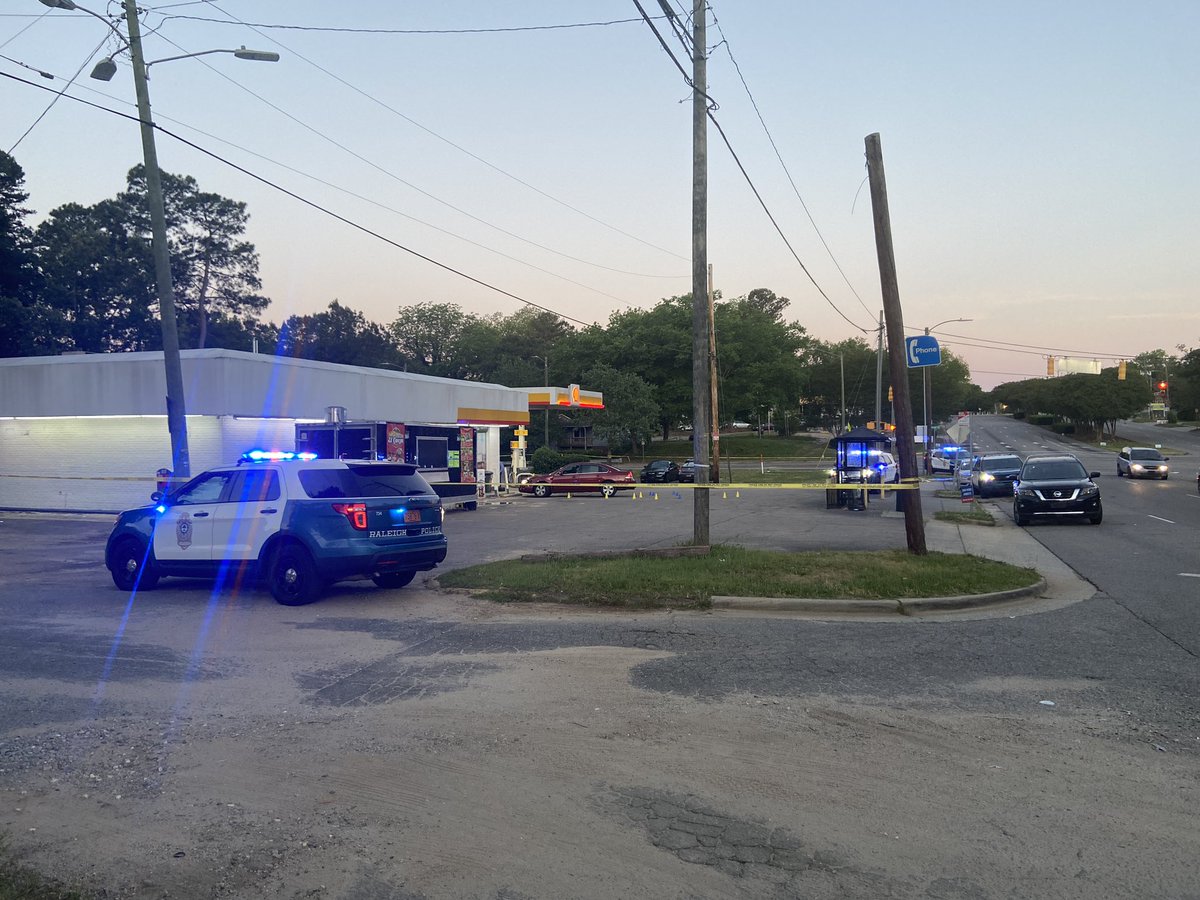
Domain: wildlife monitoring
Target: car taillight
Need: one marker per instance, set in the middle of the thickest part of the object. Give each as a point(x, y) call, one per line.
point(355, 513)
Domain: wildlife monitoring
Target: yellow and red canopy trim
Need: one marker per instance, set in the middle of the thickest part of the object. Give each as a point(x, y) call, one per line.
point(473, 416)
point(571, 396)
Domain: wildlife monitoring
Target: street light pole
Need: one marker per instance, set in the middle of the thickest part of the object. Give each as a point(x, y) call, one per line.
point(927, 390)
point(181, 465)
point(165, 289)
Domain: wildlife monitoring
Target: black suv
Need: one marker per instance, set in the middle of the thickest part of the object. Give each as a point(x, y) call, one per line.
point(993, 474)
point(1056, 486)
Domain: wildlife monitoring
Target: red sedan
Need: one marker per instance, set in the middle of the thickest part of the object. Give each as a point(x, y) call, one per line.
point(578, 477)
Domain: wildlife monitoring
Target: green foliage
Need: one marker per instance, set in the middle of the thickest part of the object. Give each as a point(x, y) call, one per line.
point(1043, 420)
point(1063, 427)
point(338, 335)
point(544, 460)
point(215, 271)
point(630, 414)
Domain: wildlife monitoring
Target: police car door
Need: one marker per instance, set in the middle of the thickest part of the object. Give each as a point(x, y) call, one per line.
point(252, 513)
point(184, 529)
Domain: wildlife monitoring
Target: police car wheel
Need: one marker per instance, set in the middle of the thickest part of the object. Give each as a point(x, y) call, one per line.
point(393, 579)
point(130, 567)
point(293, 577)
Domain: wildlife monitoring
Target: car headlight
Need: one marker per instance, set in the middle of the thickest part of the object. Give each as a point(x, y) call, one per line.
point(987, 476)
point(1026, 492)
point(1137, 467)
point(1162, 468)
point(1090, 491)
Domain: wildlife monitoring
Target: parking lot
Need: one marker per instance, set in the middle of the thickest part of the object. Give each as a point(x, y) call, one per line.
point(191, 743)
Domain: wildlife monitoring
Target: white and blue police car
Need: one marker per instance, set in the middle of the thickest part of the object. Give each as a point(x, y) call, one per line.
point(298, 522)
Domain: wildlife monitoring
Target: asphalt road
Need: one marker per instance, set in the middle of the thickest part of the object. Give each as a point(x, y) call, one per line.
point(1146, 553)
point(411, 744)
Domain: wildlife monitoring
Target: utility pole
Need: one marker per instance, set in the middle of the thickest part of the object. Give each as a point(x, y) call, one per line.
point(700, 341)
point(842, 372)
point(879, 377)
point(181, 466)
point(914, 522)
point(712, 382)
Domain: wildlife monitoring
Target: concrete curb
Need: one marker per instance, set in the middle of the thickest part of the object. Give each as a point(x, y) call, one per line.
point(903, 607)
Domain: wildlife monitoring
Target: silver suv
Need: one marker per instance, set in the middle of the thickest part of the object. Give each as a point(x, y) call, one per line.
point(1142, 462)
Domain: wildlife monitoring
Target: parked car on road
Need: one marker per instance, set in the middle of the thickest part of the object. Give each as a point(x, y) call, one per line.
point(1142, 462)
point(659, 470)
point(992, 474)
point(687, 471)
point(579, 477)
point(301, 523)
point(1056, 485)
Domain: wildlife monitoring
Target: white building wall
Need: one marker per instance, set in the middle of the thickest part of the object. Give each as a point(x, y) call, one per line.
point(86, 433)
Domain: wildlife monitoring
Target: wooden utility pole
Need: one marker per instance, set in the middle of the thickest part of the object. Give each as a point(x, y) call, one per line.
point(712, 383)
point(914, 522)
point(700, 342)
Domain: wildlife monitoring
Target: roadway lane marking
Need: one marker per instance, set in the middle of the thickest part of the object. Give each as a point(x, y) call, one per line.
point(1189, 574)
point(1161, 519)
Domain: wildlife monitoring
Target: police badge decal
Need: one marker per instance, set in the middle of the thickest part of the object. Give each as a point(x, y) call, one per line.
point(183, 531)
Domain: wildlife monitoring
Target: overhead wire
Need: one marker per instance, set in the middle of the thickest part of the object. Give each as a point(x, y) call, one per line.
point(456, 146)
point(383, 171)
point(50, 105)
point(746, 175)
point(783, 165)
point(310, 203)
point(335, 29)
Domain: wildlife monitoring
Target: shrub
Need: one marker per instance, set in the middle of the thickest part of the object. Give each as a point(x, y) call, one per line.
point(1019, 414)
point(1042, 419)
point(546, 460)
point(1063, 427)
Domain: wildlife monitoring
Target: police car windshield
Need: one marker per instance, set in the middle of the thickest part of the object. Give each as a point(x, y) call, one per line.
point(376, 480)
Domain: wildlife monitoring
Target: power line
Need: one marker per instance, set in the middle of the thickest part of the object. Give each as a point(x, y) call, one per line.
point(746, 175)
point(50, 105)
point(409, 184)
point(333, 29)
point(783, 165)
point(459, 147)
point(307, 202)
point(967, 337)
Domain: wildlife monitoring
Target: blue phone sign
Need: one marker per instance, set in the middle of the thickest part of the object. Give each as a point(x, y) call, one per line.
point(922, 350)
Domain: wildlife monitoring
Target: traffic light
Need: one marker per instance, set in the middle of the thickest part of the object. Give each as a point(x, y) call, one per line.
point(1121, 371)
point(1162, 385)
point(890, 399)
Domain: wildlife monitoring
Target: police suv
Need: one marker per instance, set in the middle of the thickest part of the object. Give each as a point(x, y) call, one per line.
point(298, 522)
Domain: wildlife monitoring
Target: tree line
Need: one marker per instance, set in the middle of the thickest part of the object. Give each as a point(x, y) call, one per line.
point(83, 280)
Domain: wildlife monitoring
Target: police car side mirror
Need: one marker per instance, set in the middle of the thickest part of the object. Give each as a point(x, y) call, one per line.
point(156, 496)
point(1093, 474)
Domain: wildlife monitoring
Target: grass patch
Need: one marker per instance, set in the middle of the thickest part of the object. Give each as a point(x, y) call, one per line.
point(776, 476)
point(655, 582)
point(974, 514)
point(20, 883)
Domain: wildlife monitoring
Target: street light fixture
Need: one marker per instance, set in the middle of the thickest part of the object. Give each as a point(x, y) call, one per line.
point(104, 71)
point(927, 391)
